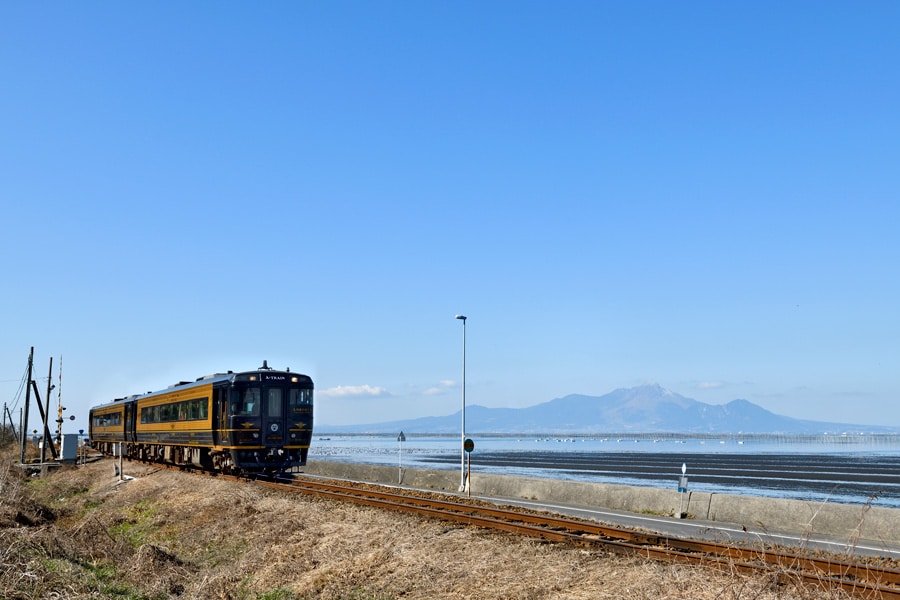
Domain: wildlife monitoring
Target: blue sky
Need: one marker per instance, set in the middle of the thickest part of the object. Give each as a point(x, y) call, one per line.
point(702, 195)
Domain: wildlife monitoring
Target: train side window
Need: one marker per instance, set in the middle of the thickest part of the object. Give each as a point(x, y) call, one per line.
point(108, 420)
point(274, 406)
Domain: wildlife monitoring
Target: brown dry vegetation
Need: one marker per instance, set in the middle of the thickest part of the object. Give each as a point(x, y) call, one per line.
point(78, 533)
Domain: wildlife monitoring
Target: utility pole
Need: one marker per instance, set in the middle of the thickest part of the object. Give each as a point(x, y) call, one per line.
point(24, 428)
point(46, 439)
point(12, 424)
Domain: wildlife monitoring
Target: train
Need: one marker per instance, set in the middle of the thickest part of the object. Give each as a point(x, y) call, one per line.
point(250, 422)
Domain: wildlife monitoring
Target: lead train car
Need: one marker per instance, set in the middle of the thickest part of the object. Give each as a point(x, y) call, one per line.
point(255, 421)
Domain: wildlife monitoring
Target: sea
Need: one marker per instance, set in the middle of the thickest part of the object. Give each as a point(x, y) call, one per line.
point(843, 468)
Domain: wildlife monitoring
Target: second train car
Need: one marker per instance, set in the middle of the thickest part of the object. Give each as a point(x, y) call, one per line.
point(249, 422)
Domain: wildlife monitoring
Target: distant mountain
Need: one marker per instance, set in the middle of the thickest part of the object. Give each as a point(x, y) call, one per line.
point(642, 409)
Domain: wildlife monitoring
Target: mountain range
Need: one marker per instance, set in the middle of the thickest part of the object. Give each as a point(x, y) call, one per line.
point(643, 409)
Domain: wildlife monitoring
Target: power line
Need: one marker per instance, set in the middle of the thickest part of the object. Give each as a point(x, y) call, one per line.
point(22, 384)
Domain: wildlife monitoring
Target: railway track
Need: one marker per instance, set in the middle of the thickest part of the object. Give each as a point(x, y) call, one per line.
point(861, 579)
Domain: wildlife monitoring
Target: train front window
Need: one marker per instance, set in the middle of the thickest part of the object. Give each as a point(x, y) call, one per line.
point(245, 402)
point(300, 398)
point(274, 406)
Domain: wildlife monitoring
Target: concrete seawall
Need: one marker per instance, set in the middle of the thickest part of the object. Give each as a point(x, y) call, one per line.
point(845, 521)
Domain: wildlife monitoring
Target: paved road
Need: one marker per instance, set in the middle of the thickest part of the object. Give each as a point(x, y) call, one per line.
point(710, 531)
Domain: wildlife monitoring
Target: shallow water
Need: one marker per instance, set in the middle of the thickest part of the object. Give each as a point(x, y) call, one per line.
point(840, 468)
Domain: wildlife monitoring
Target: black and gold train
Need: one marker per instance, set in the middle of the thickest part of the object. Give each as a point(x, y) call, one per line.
point(250, 422)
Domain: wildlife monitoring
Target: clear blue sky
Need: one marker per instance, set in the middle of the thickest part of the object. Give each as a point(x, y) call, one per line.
point(704, 195)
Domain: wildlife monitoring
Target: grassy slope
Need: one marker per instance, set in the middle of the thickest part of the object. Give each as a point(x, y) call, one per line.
point(78, 533)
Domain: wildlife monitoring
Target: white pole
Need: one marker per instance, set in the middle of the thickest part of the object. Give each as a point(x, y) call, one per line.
point(462, 442)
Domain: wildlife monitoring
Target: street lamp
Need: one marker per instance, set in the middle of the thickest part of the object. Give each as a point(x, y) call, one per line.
point(462, 465)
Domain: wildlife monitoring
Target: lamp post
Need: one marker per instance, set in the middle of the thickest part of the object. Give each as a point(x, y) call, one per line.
point(462, 466)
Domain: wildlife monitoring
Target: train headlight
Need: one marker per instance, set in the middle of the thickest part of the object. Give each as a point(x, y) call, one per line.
point(255, 436)
point(295, 379)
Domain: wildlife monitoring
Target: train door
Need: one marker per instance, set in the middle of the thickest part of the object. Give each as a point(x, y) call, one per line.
point(220, 416)
point(275, 417)
point(130, 424)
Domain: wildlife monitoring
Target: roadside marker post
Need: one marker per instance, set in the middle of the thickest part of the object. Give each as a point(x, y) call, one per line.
point(468, 446)
point(400, 439)
point(682, 490)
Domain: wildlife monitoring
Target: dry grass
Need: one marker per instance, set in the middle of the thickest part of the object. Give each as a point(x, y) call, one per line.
point(77, 534)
